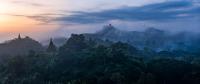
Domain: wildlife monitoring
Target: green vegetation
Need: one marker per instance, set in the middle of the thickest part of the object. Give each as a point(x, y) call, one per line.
point(83, 61)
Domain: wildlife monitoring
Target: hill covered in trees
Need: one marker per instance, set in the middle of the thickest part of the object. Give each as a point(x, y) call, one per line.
point(85, 61)
point(20, 46)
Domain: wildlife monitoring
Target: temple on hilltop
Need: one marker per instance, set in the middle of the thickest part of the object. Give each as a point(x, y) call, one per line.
point(51, 48)
point(110, 26)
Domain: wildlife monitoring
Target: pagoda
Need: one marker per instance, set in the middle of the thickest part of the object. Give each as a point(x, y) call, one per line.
point(51, 48)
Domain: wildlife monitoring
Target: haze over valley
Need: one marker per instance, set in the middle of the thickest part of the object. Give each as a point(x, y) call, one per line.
point(99, 42)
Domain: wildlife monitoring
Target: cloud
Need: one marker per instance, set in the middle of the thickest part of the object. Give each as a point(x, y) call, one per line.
point(45, 18)
point(153, 12)
point(28, 3)
point(164, 11)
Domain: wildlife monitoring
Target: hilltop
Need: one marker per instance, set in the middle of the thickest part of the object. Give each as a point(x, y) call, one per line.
point(20, 46)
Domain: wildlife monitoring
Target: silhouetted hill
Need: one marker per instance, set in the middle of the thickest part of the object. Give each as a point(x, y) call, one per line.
point(20, 46)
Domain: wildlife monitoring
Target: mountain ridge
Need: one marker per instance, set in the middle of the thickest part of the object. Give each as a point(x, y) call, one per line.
point(151, 38)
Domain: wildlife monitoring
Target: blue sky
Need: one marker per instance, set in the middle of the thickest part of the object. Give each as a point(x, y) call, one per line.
point(53, 18)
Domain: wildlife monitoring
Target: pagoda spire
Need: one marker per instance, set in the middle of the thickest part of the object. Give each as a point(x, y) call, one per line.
point(51, 47)
point(19, 36)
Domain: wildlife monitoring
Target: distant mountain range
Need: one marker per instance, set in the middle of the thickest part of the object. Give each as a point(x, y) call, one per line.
point(151, 38)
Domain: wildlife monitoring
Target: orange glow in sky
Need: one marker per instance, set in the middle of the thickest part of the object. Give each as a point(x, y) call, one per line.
point(16, 24)
point(12, 23)
point(4, 8)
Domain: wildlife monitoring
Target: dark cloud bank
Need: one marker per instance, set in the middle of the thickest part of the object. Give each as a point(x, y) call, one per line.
point(166, 11)
point(154, 12)
point(171, 15)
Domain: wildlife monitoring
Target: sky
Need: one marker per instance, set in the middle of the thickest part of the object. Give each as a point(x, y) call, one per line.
point(43, 19)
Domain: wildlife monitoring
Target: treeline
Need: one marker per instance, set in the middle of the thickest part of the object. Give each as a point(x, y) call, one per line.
point(85, 61)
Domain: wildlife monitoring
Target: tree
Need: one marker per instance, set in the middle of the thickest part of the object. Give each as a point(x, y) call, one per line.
point(169, 71)
point(147, 78)
point(75, 43)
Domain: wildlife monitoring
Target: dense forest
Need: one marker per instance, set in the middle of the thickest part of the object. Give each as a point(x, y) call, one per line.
point(99, 41)
point(85, 61)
